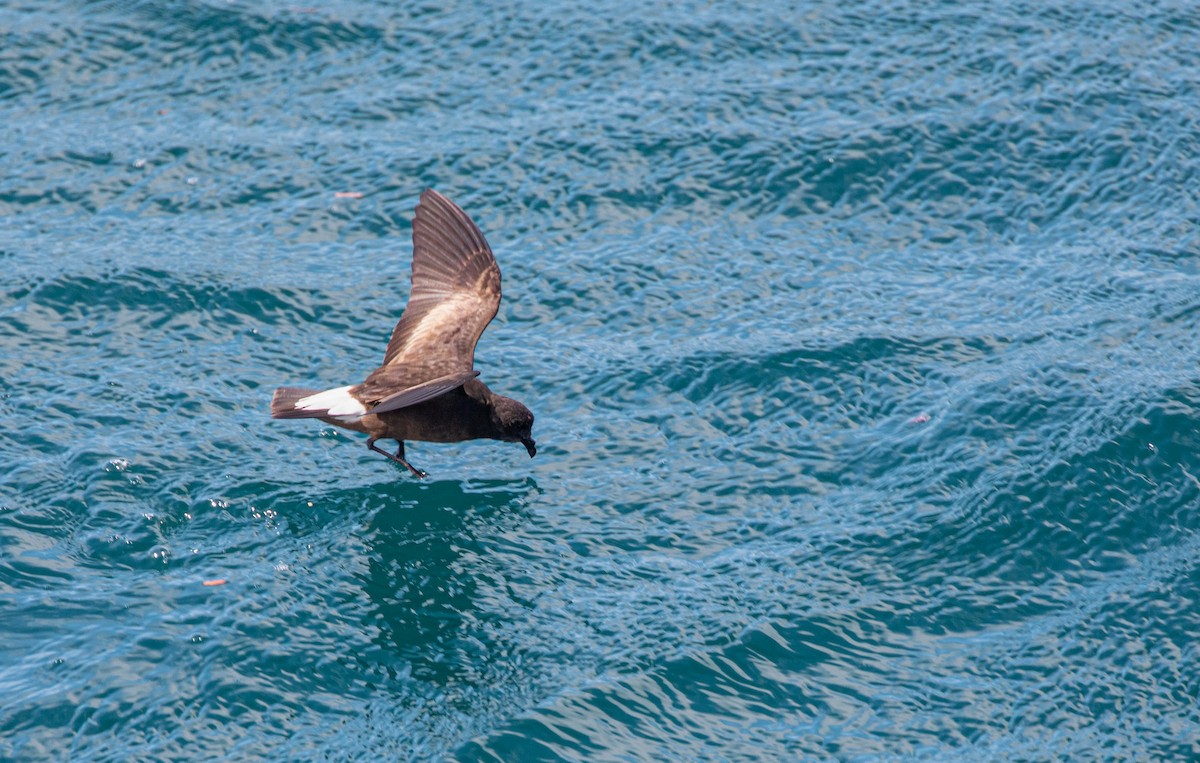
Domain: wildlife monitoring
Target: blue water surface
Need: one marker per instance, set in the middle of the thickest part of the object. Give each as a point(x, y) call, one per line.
point(862, 340)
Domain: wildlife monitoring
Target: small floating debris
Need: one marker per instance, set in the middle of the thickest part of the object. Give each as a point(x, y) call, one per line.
point(218, 581)
point(920, 418)
point(348, 195)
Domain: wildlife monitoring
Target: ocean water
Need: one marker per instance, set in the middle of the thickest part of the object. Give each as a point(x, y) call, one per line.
point(862, 340)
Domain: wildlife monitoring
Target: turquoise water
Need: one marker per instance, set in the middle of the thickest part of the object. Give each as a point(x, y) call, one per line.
point(862, 339)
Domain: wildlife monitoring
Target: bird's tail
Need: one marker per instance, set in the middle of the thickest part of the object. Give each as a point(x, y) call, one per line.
point(300, 403)
point(283, 404)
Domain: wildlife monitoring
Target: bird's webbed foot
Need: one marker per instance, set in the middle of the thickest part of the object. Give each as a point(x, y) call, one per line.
point(398, 458)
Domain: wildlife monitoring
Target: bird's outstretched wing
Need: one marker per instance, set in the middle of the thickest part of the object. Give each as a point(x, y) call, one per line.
point(422, 392)
point(455, 294)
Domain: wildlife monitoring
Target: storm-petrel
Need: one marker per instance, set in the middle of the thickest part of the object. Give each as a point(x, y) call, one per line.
point(426, 388)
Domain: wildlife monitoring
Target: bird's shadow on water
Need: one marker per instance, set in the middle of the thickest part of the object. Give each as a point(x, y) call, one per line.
point(428, 583)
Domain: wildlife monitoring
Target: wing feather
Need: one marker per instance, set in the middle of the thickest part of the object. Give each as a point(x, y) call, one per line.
point(455, 293)
point(422, 392)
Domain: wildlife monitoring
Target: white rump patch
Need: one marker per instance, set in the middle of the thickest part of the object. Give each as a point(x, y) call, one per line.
point(334, 402)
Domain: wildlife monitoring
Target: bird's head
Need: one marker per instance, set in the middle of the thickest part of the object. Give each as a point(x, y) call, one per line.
point(514, 422)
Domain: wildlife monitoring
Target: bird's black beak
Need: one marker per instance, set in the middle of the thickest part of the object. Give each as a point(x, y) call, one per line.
point(530, 446)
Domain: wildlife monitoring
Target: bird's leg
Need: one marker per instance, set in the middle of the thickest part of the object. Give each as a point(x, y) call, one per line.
point(418, 473)
point(398, 458)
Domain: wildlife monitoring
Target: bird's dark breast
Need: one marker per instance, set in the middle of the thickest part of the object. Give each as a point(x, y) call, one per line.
point(452, 417)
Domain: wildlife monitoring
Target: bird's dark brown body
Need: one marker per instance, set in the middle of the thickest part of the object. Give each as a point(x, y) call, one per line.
point(426, 388)
point(466, 413)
